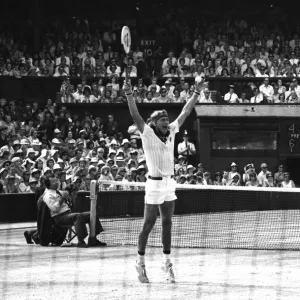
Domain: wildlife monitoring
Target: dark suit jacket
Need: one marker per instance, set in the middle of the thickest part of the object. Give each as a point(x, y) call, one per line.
point(47, 233)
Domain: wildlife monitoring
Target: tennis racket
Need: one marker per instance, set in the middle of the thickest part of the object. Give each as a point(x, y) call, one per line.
point(126, 42)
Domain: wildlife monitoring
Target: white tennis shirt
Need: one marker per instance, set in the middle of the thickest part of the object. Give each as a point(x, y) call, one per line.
point(159, 155)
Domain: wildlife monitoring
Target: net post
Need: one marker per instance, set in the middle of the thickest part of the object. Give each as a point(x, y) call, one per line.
point(198, 137)
point(93, 214)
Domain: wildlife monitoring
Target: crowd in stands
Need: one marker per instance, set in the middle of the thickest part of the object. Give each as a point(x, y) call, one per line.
point(216, 48)
point(36, 143)
point(179, 91)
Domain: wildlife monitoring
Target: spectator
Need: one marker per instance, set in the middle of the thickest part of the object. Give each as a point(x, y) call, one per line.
point(187, 149)
point(258, 97)
point(267, 90)
point(279, 175)
point(252, 180)
point(262, 176)
point(235, 180)
point(231, 97)
point(287, 182)
point(205, 97)
point(218, 179)
point(270, 180)
point(111, 127)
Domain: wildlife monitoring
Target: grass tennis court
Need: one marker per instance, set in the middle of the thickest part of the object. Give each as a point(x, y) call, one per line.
point(35, 272)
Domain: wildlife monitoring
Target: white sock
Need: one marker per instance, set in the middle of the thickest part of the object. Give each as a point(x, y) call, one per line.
point(141, 259)
point(167, 259)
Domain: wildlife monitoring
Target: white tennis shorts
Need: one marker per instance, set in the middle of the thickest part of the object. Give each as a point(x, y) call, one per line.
point(159, 191)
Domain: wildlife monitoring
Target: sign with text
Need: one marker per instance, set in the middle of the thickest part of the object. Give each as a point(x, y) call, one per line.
point(293, 132)
point(150, 44)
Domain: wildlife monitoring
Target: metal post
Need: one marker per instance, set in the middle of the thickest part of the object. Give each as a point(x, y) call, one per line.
point(198, 139)
point(93, 213)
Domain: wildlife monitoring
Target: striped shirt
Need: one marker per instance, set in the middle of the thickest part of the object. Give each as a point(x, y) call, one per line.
point(159, 155)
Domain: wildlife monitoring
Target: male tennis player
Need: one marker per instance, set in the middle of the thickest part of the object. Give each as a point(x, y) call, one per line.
point(158, 143)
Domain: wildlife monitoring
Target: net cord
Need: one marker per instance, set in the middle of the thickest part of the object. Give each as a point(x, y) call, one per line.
point(207, 187)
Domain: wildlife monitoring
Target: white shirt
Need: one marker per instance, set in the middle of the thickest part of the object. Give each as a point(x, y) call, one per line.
point(297, 90)
point(165, 62)
point(51, 198)
point(92, 59)
point(267, 90)
point(294, 61)
point(183, 145)
point(231, 98)
point(255, 61)
point(118, 70)
point(262, 178)
point(58, 61)
point(257, 99)
point(159, 155)
point(157, 87)
point(78, 97)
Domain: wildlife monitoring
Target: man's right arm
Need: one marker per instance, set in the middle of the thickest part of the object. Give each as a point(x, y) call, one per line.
point(140, 123)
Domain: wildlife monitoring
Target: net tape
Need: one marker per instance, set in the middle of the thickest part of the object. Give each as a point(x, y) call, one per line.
point(206, 187)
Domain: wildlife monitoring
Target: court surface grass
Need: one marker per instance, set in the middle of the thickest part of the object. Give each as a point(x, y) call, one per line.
point(34, 272)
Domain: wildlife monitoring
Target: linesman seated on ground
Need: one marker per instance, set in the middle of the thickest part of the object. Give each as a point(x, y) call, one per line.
point(62, 215)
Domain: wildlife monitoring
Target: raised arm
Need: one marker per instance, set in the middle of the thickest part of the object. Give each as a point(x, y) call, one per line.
point(140, 123)
point(187, 109)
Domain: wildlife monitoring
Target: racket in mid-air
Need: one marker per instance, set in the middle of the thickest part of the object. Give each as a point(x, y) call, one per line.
point(126, 42)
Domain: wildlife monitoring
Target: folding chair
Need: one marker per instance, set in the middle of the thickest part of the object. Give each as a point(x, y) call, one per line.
point(64, 233)
point(49, 232)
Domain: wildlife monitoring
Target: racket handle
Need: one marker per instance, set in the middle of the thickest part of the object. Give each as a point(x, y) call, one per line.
point(126, 75)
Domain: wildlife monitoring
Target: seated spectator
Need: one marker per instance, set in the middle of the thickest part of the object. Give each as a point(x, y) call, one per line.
point(261, 72)
point(113, 68)
point(176, 97)
point(174, 72)
point(218, 179)
point(130, 70)
point(234, 168)
point(231, 97)
point(78, 95)
point(275, 97)
point(267, 90)
point(171, 57)
point(292, 97)
point(206, 179)
point(163, 98)
point(252, 180)
point(154, 84)
point(60, 72)
point(249, 73)
point(205, 96)
point(243, 99)
point(262, 176)
point(89, 59)
point(287, 182)
point(270, 180)
point(235, 180)
point(258, 97)
point(10, 187)
point(248, 170)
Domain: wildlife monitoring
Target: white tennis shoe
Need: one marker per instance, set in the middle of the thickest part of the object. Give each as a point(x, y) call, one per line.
point(142, 275)
point(168, 269)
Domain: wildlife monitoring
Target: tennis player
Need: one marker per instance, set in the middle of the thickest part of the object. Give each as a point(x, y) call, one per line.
point(158, 137)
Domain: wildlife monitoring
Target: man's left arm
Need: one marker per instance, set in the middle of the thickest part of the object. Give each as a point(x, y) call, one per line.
point(188, 107)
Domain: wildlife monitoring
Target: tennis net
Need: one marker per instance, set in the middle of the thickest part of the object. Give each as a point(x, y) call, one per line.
point(205, 216)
